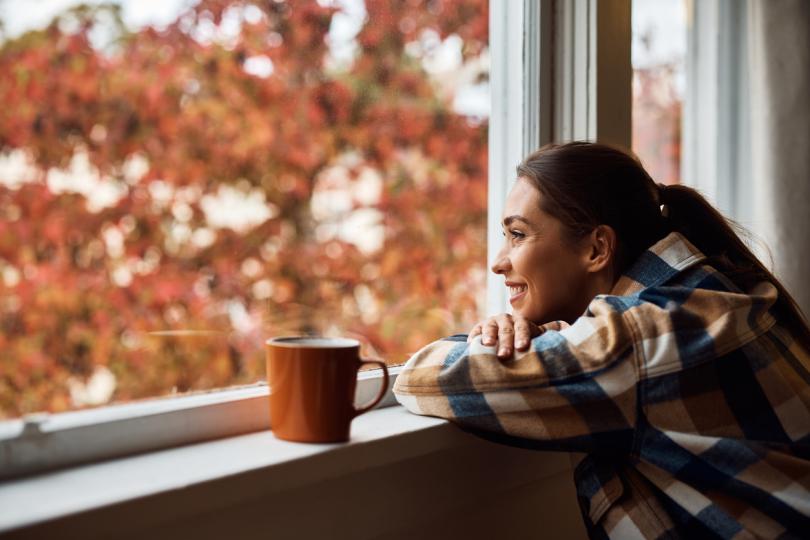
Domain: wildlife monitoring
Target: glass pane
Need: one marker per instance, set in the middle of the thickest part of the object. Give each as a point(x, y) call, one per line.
point(659, 84)
point(180, 181)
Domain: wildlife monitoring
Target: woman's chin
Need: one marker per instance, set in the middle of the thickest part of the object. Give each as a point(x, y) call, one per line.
point(531, 315)
point(519, 302)
point(527, 314)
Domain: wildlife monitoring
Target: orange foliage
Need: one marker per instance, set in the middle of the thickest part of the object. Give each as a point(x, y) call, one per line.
point(657, 117)
point(84, 287)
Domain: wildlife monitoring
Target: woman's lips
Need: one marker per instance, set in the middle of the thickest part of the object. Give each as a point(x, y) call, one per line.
point(516, 297)
point(516, 292)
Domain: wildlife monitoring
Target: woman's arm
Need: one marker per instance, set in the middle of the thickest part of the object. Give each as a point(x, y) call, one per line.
point(574, 387)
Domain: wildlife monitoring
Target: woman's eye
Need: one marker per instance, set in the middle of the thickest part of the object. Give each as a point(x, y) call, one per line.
point(514, 235)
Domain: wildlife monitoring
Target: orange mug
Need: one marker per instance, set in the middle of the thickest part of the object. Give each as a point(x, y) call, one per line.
point(312, 382)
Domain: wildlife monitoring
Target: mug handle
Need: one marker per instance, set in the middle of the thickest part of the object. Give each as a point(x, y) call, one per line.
point(369, 406)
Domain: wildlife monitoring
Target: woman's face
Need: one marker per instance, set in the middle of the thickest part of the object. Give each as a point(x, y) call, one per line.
point(545, 271)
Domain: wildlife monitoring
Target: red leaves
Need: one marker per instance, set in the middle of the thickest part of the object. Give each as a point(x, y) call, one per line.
point(93, 287)
point(657, 112)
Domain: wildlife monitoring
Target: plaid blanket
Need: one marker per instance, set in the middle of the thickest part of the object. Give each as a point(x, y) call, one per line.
point(690, 400)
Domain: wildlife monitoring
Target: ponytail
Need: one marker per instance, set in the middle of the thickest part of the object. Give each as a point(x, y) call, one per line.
point(686, 211)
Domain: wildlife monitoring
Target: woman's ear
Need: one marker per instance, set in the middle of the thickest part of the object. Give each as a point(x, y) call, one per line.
point(601, 248)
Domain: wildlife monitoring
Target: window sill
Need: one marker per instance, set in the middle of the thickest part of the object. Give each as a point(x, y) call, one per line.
point(43, 442)
point(261, 463)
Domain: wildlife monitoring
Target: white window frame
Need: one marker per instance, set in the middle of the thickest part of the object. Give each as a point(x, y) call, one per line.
point(716, 157)
point(518, 111)
point(569, 83)
point(566, 76)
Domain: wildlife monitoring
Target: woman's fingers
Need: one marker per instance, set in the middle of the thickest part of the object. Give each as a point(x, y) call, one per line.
point(506, 337)
point(489, 331)
point(525, 330)
point(522, 334)
point(509, 332)
point(496, 330)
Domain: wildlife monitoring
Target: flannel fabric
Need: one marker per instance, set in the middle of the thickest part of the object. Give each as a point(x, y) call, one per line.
point(690, 400)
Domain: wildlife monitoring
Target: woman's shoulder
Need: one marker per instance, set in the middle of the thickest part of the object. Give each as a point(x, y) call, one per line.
point(697, 315)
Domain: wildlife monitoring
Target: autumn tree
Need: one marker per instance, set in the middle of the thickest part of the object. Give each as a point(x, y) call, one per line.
point(172, 123)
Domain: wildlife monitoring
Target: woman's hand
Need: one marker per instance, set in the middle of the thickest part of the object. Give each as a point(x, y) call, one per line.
point(511, 332)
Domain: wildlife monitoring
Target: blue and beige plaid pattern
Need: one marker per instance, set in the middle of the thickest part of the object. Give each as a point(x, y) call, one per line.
point(690, 400)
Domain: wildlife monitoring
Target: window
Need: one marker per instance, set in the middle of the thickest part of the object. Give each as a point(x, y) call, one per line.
point(543, 87)
point(180, 181)
point(659, 85)
point(692, 99)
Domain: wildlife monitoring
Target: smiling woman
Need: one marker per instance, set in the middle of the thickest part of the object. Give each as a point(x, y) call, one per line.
point(660, 346)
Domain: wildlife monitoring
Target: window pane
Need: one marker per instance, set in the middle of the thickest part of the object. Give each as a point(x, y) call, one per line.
point(659, 84)
point(180, 181)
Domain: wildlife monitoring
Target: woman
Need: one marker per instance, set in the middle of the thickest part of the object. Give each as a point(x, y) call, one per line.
point(647, 335)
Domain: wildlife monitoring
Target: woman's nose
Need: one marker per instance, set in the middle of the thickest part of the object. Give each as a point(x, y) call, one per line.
point(501, 264)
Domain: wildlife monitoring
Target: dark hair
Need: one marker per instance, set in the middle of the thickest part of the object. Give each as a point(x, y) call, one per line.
point(585, 185)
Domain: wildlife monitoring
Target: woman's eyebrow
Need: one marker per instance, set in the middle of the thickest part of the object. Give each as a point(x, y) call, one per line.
point(509, 219)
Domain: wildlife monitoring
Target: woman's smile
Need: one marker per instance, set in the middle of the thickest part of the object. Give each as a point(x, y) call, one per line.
point(516, 291)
